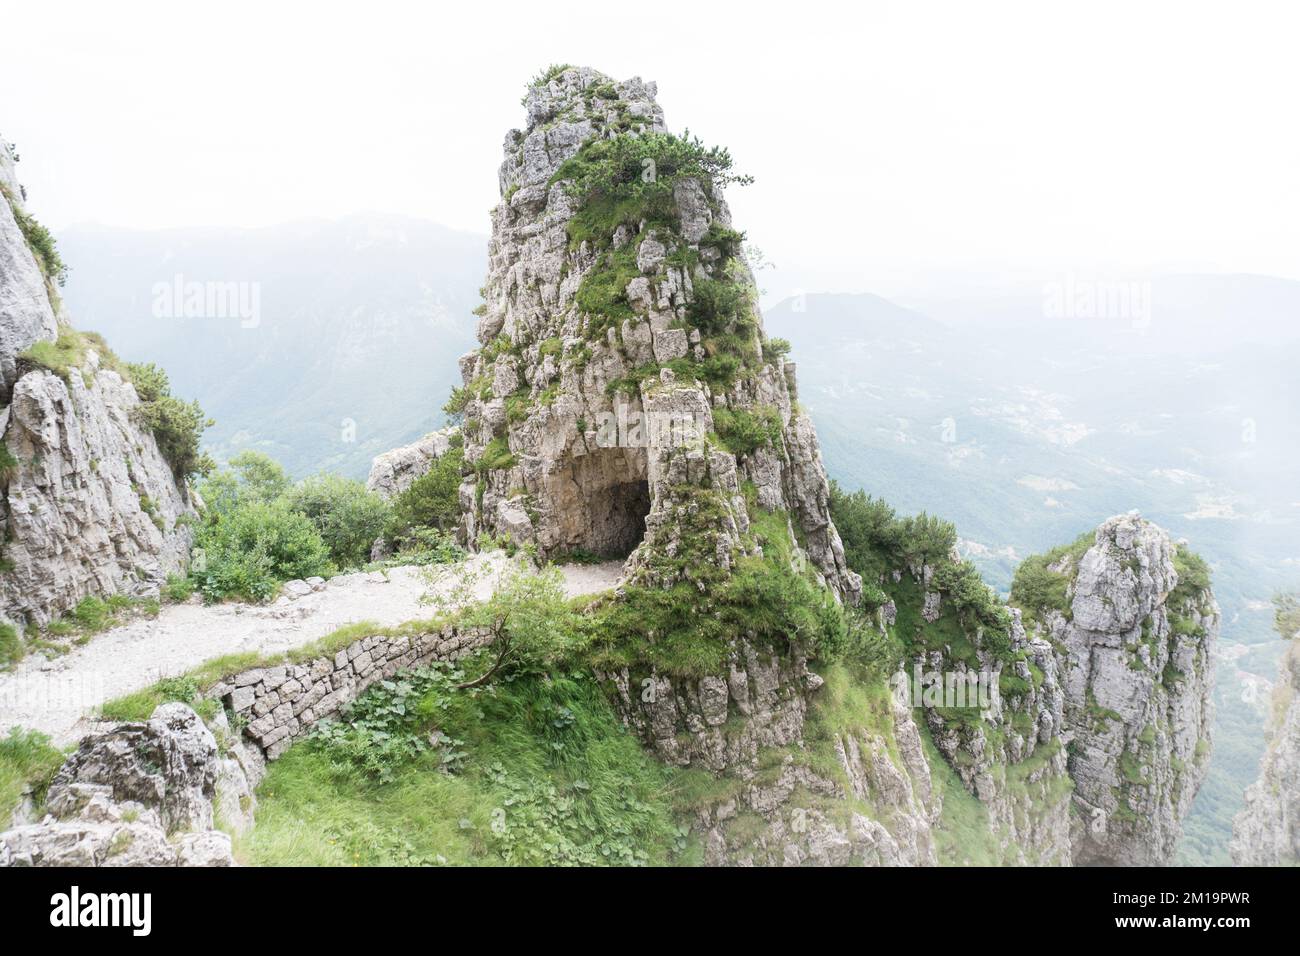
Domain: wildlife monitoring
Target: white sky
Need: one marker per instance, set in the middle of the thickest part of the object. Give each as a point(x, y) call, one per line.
point(895, 145)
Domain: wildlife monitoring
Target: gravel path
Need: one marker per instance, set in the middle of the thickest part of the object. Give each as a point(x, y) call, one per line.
point(60, 696)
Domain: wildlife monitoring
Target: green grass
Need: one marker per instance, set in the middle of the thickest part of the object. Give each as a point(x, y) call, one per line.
point(964, 835)
point(496, 456)
point(61, 356)
point(93, 615)
point(11, 646)
point(27, 759)
point(547, 776)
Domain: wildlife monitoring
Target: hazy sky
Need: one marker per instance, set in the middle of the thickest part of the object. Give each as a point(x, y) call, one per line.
point(893, 143)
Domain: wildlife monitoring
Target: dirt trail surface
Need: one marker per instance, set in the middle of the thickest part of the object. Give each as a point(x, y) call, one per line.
point(61, 696)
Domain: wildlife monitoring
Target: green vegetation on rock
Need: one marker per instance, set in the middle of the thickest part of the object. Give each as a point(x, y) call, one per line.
point(28, 762)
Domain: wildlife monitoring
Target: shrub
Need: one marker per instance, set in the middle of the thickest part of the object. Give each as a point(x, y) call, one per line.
point(177, 426)
point(250, 477)
point(877, 540)
point(743, 432)
point(1286, 615)
point(644, 168)
point(1037, 589)
point(542, 77)
point(532, 625)
point(348, 517)
point(1193, 574)
point(177, 589)
point(775, 348)
point(431, 502)
point(496, 456)
point(603, 291)
point(254, 547)
point(456, 404)
point(717, 303)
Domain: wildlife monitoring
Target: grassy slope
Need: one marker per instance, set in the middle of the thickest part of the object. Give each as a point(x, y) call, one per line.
point(546, 775)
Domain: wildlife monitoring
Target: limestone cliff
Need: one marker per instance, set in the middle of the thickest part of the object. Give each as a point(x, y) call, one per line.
point(1134, 639)
point(622, 353)
point(1267, 831)
point(625, 401)
point(88, 505)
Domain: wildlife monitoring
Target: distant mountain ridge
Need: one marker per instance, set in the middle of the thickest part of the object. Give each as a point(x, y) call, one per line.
point(1026, 430)
point(348, 354)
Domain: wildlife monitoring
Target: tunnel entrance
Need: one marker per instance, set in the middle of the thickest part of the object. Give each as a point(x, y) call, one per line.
point(618, 514)
point(608, 501)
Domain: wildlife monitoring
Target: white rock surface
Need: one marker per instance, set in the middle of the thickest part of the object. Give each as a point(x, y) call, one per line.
point(394, 471)
point(26, 315)
point(1267, 831)
point(91, 507)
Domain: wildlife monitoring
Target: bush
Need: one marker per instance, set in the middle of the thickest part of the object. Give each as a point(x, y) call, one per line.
point(432, 501)
point(775, 348)
point(1286, 615)
point(348, 517)
point(456, 404)
point(250, 477)
point(877, 540)
point(717, 303)
point(743, 432)
point(1037, 589)
point(618, 168)
point(542, 77)
point(177, 589)
point(177, 426)
point(254, 547)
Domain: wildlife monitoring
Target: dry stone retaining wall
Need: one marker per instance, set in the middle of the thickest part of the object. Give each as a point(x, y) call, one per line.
point(278, 704)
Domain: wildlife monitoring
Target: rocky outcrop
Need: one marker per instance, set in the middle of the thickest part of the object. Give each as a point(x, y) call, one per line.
point(394, 471)
point(88, 505)
point(91, 507)
point(1135, 652)
point(875, 807)
point(26, 313)
point(144, 794)
point(1267, 831)
point(600, 387)
point(1011, 754)
point(626, 403)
